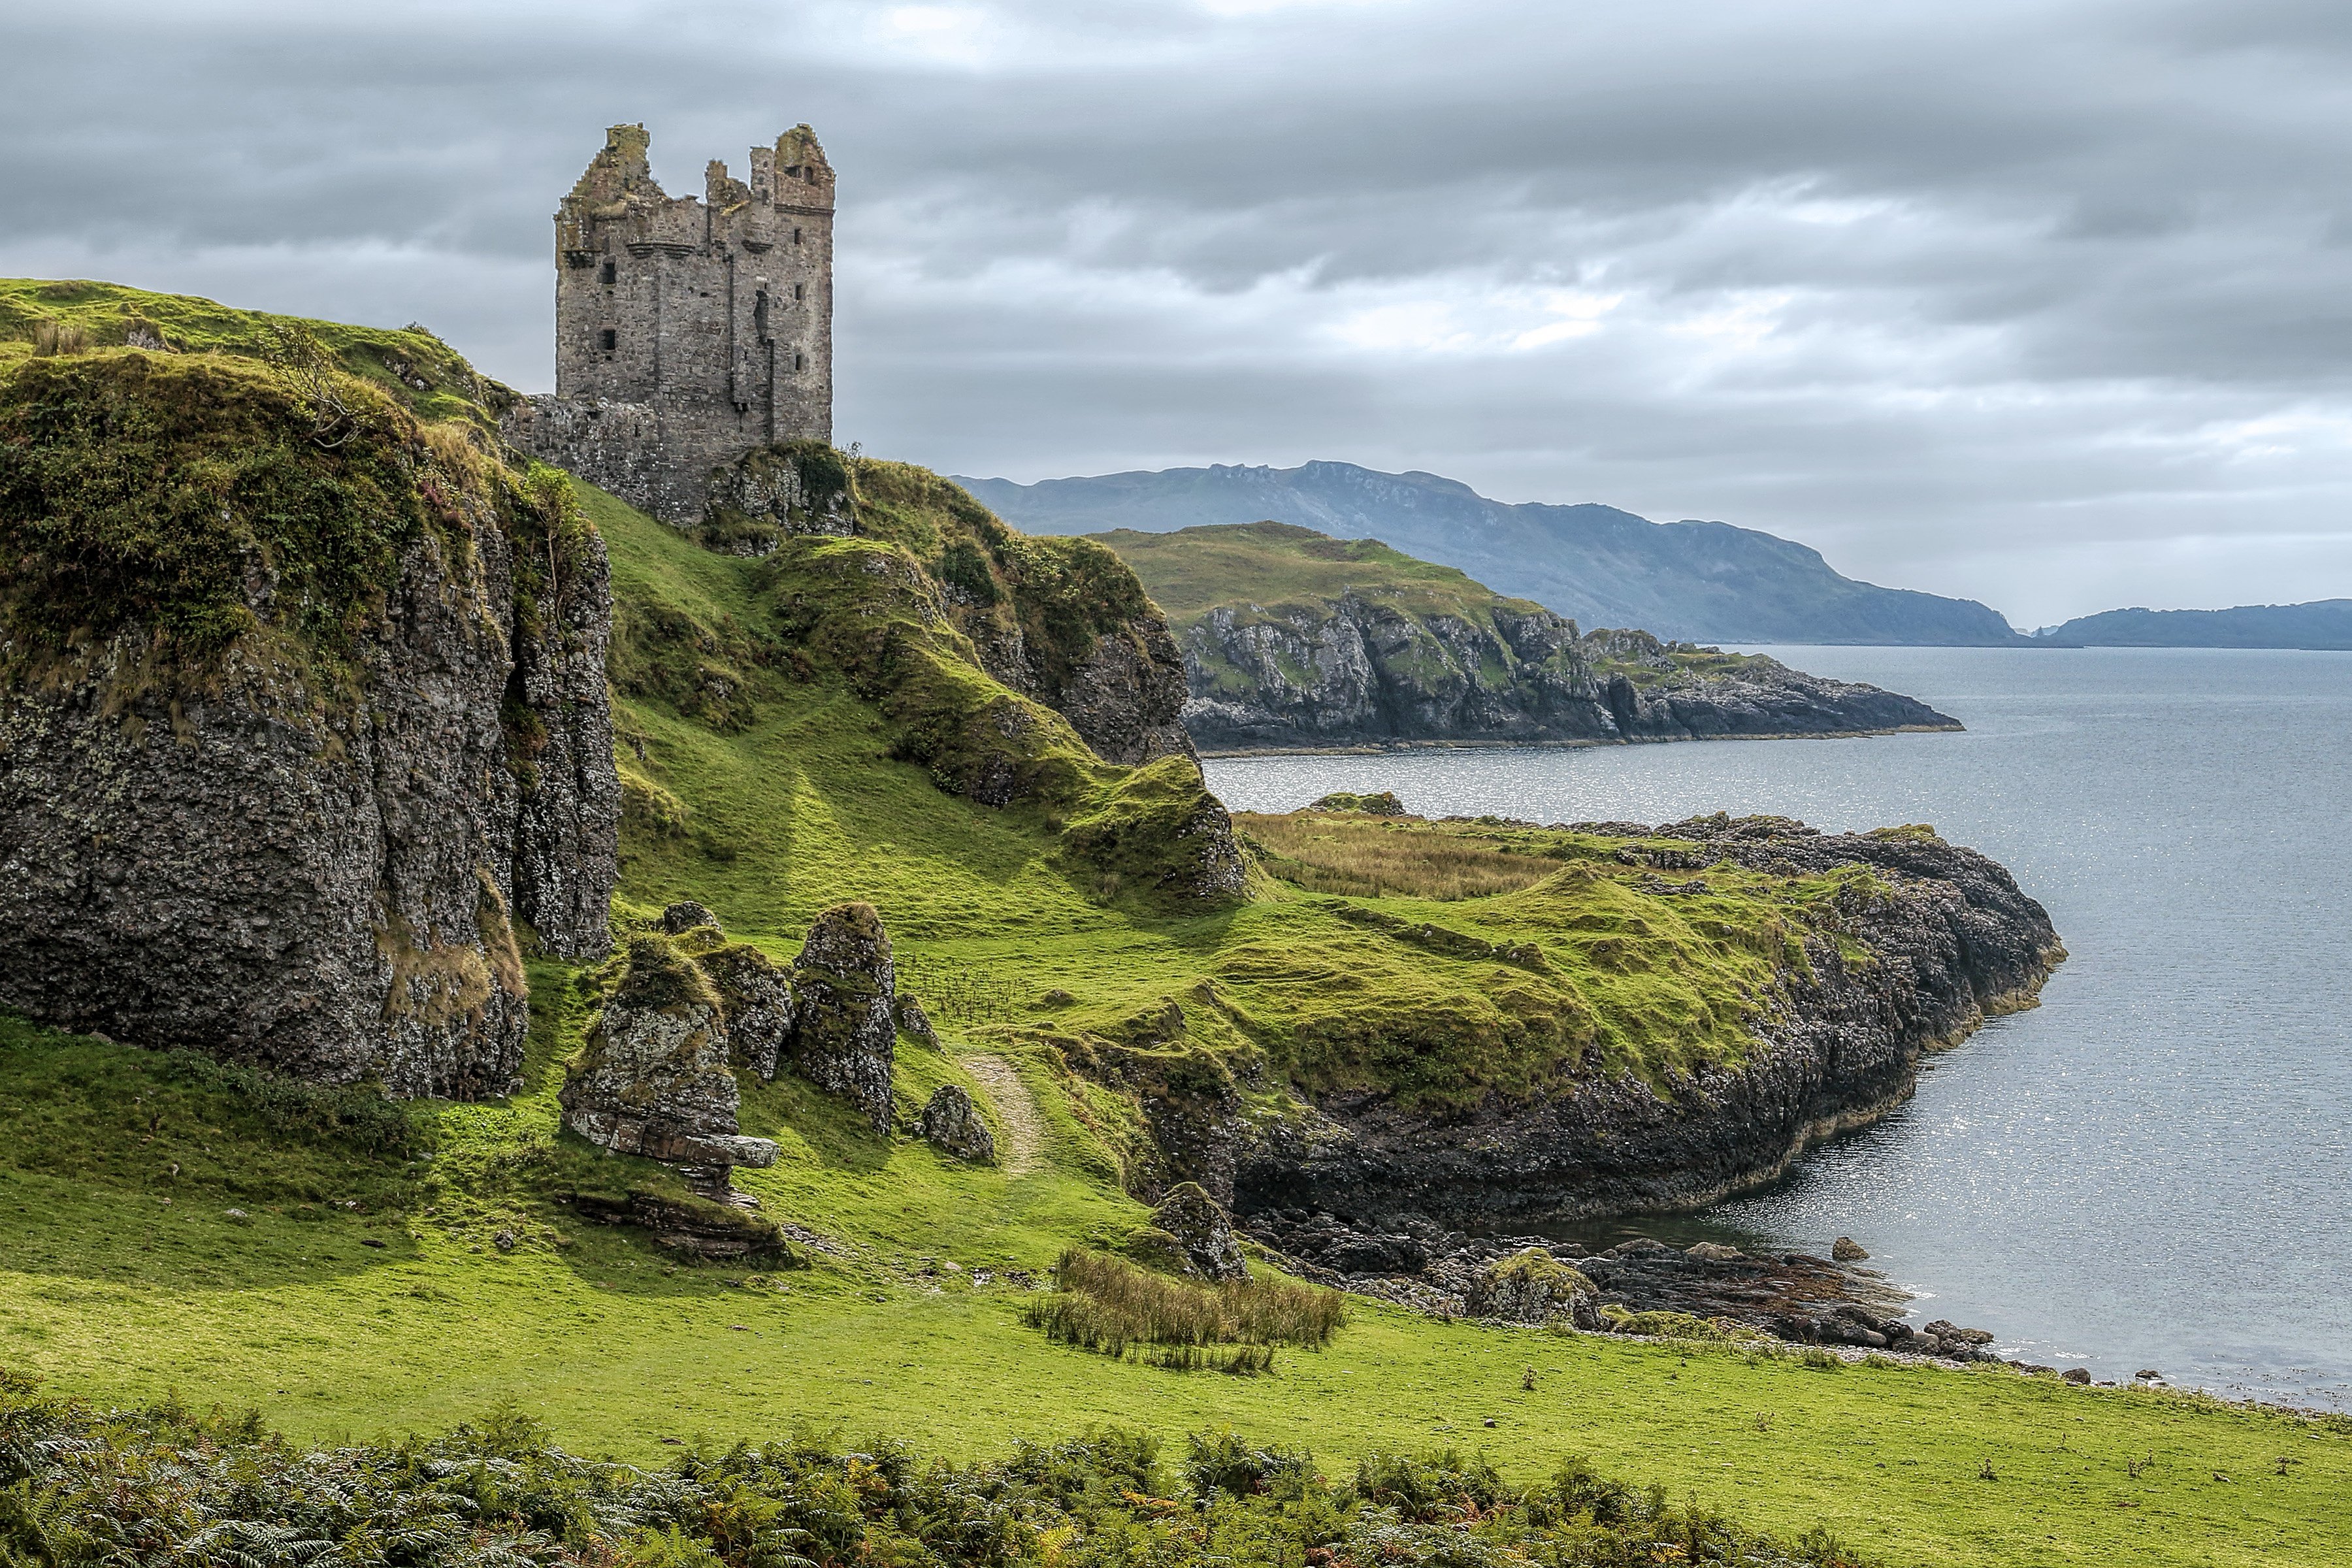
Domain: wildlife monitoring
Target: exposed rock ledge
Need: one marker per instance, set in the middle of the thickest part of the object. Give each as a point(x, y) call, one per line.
point(1363, 674)
point(1950, 940)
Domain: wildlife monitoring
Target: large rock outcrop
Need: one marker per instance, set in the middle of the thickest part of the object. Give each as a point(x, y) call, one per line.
point(654, 1078)
point(845, 1037)
point(1355, 671)
point(1292, 639)
point(1908, 960)
point(301, 711)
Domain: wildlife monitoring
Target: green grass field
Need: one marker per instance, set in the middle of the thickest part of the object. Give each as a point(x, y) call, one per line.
point(348, 1267)
point(122, 1281)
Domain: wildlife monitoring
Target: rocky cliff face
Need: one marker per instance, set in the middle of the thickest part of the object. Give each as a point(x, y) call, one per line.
point(302, 710)
point(1941, 939)
point(1356, 671)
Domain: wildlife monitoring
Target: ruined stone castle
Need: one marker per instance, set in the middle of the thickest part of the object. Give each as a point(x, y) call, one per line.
point(688, 331)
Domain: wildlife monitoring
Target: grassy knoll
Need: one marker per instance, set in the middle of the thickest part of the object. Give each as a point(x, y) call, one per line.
point(1276, 571)
point(42, 317)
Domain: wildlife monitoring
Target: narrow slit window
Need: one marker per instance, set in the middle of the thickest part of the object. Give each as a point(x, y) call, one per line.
point(796, 236)
point(800, 291)
point(608, 340)
point(612, 273)
point(799, 361)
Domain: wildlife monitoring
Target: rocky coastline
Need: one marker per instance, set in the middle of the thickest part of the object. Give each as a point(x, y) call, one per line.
point(1357, 673)
point(1944, 941)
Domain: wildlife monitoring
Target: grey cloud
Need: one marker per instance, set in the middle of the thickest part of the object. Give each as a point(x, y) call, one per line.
point(2035, 301)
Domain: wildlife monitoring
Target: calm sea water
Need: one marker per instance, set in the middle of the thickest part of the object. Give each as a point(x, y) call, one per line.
point(2152, 1169)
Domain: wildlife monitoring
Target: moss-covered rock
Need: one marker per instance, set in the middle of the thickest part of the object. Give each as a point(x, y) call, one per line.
point(1200, 1227)
point(1531, 1286)
point(312, 693)
point(952, 1124)
point(1383, 803)
point(1155, 1248)
point(845, 1035)
point(652, 1078)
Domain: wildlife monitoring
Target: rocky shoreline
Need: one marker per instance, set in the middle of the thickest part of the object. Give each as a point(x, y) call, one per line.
point(1388, 747)
point(1640, 1289)
point(1938, 940)
point(1359, 674)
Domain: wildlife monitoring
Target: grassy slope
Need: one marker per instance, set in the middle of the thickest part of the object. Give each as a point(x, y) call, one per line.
point(121, 1273)
point(109, 1288)
point(410, 363)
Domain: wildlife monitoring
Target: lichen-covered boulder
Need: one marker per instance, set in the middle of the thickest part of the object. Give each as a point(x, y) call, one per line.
point(653, 1077)
point(685, 915)
point(916, 1024)
point(755, 998)
point(1531, 1287)
point(845, 1034)
point(1201, 1228)
point(952, 1123)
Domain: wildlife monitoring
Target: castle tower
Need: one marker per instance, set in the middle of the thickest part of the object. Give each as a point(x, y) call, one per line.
point(688, 331)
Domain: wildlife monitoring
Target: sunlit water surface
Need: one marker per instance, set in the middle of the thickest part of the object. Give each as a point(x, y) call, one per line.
point(2149, 1170)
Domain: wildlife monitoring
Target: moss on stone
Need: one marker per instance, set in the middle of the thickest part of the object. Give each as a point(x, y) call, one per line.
point(659, 976)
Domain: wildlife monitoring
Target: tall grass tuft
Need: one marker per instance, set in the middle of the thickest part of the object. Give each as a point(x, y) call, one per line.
point(51, 338)
point(1110, 1306)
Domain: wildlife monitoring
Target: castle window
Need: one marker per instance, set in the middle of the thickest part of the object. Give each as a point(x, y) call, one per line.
point(800, 291)
point(799, 361)
point(608, 340)
point(612, 273)
point(796, 236)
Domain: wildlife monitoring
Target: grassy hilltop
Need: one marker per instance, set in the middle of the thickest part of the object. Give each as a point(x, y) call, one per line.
point(794, 730)
point(1259, 571)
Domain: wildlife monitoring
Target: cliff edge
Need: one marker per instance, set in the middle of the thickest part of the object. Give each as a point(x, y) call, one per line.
point(1295, 641)
point(304, 738)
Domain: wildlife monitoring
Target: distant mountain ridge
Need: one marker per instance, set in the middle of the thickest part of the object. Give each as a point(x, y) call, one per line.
point(2322, 624)
point(1705, 581)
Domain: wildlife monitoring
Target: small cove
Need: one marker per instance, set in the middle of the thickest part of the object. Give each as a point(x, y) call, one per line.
point(2152, 1169)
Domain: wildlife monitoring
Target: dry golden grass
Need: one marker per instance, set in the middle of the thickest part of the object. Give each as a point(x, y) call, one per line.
point(1372, 857)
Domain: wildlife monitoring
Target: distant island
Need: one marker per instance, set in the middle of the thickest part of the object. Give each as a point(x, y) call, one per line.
point(1294, 640)
point(2322, 624)
point(1701, 582)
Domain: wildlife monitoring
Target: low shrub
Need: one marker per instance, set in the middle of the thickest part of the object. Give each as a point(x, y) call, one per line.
point(1679, 1326)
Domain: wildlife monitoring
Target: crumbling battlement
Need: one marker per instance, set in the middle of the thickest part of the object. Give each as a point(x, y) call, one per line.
point(688, 330)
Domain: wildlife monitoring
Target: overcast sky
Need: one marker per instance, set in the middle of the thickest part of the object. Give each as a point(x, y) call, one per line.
point(2045, 303)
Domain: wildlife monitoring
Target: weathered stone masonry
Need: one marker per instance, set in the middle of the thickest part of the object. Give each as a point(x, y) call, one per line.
point(688, 331)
